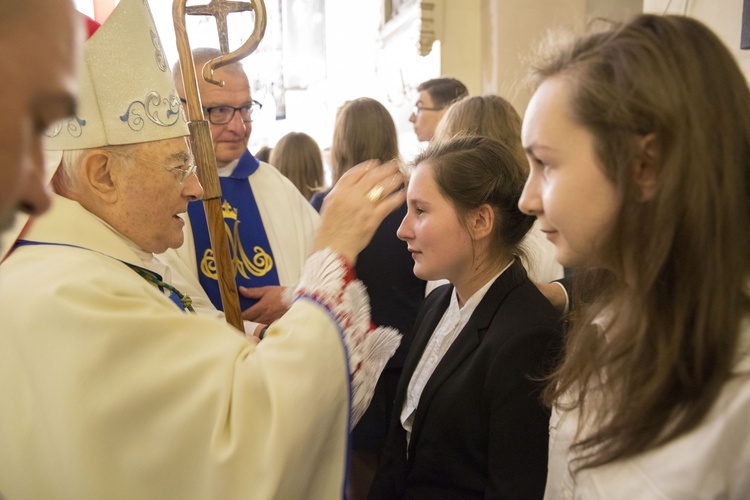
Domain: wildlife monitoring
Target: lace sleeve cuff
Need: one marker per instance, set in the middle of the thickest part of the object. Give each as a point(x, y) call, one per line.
point(329, 280)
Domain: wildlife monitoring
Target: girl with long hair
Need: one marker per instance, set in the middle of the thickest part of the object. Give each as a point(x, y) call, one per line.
point(639, 142)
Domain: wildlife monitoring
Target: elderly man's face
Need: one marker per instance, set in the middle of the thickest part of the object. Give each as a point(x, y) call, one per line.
point(152, 194)
point(38, 52)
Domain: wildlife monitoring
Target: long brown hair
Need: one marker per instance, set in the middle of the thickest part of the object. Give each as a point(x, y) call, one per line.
point(364, 130)
point(298, 157)
point(649, 353)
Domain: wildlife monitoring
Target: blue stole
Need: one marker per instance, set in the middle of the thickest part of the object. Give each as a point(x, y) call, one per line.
point(139, 270)
point(245, 231)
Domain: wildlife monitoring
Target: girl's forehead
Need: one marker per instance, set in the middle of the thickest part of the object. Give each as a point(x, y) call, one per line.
point(421, 174)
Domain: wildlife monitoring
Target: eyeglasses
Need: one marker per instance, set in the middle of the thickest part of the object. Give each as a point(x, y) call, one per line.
point(184, 171)
point(221, 115)
point(418, 109)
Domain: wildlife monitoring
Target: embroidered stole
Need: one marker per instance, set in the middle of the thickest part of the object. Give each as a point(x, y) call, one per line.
point(181, 300)
point(249, 247)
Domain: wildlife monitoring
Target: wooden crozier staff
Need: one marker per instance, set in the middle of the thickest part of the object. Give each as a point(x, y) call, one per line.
point(200, 133)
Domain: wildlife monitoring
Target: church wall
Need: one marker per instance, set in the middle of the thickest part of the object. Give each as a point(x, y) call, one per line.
point(512, 28)
point(462, 42)
point(724, 17)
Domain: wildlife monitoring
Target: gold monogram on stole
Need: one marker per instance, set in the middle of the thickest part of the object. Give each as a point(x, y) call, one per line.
point(260, 264)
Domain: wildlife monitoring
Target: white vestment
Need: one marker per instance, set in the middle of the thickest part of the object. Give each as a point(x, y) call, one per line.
point(109, 390)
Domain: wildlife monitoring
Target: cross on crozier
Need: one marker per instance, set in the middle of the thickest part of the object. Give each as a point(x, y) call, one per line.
point(219, 9)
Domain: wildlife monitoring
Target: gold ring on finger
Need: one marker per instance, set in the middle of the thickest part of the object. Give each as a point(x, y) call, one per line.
point(375, 194)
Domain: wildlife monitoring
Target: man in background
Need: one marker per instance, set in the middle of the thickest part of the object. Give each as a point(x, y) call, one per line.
point(270, 224)
point(434, 98)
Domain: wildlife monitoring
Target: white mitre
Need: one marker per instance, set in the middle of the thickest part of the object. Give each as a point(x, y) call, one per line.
point(126, 92)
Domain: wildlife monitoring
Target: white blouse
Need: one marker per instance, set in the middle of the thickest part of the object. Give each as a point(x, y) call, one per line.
point(711, 461)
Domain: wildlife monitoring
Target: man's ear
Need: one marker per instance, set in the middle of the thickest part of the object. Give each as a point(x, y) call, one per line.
point(481, 221)
point(647, 166)
point(96, 173)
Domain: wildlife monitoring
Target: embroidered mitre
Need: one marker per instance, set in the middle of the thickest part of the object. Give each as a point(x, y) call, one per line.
point(126, 93)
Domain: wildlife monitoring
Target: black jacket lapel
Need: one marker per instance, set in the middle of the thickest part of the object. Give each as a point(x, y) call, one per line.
point(467, 341)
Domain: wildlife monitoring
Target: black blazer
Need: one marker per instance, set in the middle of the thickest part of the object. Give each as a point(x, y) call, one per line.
point(480, 430)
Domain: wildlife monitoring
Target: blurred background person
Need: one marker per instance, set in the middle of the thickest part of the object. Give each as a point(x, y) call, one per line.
point(298, 157)
point(39, 47)
point(434, 97)
point(263, 154)
point(364, 130)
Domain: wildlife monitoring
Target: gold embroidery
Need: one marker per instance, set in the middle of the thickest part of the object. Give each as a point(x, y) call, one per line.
point(208, 264)
point(259, 265)
point(227, 211)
